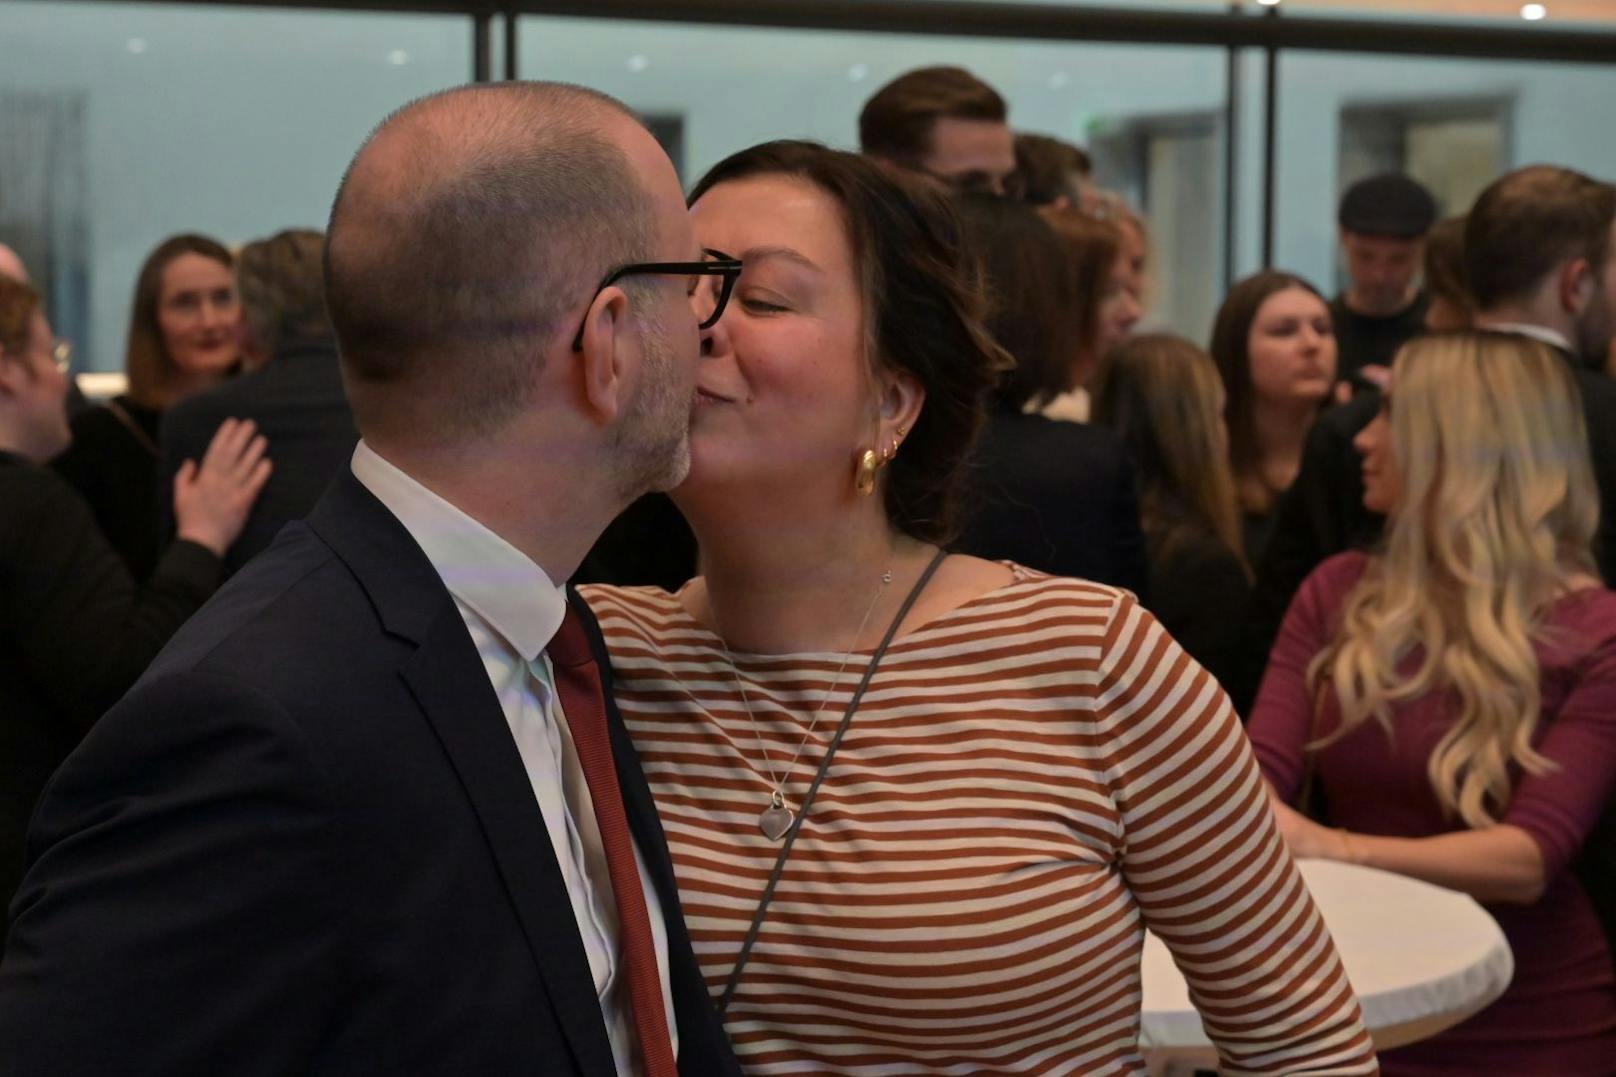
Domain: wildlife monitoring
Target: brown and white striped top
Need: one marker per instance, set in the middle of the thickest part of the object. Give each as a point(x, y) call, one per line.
point(1031, 780)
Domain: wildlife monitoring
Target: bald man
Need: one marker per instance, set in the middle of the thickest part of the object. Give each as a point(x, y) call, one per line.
point(372, 812)
point(11, 264)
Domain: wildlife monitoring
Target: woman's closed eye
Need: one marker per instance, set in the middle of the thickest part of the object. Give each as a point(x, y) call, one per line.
point(763, 304)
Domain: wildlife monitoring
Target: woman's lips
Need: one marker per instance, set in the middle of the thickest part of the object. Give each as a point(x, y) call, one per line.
point(706, 397)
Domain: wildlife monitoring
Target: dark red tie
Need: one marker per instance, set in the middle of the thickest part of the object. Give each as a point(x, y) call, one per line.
point(583, 701)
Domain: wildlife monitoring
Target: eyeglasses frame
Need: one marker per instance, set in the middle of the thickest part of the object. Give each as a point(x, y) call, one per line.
point(719, 265)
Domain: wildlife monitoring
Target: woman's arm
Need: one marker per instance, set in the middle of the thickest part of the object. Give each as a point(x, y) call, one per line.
point(1209, 870)
point(1548, 819)
point(1500, 863)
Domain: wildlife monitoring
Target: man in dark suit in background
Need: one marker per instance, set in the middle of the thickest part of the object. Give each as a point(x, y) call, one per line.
point(372, 811)
point(293, 391)
point(1540, 259)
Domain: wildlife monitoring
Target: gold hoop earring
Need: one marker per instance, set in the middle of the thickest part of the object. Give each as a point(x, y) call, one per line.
point(864, 473)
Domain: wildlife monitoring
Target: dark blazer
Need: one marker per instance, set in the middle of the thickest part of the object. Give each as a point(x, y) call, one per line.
point(299, 405)
point(1323, 513)
point(75, 632)
point(306, 843)
point(1055, 496)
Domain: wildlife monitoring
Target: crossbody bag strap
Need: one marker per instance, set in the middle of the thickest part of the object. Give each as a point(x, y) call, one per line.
point(813, 788)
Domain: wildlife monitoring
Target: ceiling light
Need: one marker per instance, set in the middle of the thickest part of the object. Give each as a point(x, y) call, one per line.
point(858, 72)
point(1268, 3)
point(398, 57)
point(136, 45)
point(638, 62)
point(1058, 80)
point(1534, 12)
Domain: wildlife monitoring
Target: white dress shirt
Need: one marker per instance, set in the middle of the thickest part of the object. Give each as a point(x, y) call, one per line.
point(513, 610)
point(1536, 332)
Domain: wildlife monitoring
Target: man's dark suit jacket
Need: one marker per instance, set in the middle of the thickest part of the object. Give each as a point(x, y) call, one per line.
point(1058, 497)
point(1323, 512)
point(299, 405)
point(305, 843)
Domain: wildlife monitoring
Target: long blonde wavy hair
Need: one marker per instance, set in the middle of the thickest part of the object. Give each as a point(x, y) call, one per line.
point(1496, 520)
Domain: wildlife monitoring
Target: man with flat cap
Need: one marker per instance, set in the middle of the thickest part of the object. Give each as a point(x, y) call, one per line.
point(372, 811)
point(1384, 221)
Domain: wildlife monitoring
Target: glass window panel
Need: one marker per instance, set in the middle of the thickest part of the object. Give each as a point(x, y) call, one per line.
point(127, 123)
point(710, 91)
point(1556, 14)
point(1454, 124)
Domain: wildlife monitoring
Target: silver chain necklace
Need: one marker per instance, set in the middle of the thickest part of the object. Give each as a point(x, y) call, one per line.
point(776, 819)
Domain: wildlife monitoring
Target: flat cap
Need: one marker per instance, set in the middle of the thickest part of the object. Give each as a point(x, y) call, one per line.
point(1388, 205)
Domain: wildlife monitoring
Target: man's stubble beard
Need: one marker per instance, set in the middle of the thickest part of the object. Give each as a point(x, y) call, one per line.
point(653, 443)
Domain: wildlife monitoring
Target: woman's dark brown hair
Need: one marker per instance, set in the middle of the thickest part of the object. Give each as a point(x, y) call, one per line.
point(1092, 249)
point(1231, 351)
point(1028, 281)
point(147, 362)
point(1048, 170)
point(922, 313)
point(1160, 394)
point(1445, 266)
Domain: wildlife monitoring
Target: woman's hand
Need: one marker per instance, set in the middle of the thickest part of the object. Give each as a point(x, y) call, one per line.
point(211, 502)
point(1307, 838)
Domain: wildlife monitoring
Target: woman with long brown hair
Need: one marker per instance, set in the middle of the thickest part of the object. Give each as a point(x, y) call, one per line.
point(1162, 396)
point(958, 760)
point(1446, 706)
point(184, 336)
point(1275, 350)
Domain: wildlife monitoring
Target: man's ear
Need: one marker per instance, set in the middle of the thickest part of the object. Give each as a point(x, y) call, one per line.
point(1576, 285)
point(601, 363)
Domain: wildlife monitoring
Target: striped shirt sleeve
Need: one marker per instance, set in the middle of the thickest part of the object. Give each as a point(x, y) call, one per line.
point(1206, 864)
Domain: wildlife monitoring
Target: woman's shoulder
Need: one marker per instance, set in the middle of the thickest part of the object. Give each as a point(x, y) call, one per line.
point(1337, 574)
point(641, 606)
point(93, 420)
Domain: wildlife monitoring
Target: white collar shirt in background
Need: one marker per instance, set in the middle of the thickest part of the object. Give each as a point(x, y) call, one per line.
point(1536, 332)
point(512, 610)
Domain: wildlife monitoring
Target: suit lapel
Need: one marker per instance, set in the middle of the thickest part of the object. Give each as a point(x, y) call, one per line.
point(447, 679)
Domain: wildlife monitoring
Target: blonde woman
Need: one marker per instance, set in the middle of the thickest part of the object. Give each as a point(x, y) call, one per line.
point(1449, 703)
point(1162, 396)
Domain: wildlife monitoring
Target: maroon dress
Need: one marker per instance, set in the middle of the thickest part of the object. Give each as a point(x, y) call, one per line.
point(1558, 1015)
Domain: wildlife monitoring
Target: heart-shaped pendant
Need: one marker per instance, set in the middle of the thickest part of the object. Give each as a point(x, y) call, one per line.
point(776, 819)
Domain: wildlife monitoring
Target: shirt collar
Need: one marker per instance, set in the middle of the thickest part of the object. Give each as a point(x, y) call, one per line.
point(1536, 332)
point(503, 585)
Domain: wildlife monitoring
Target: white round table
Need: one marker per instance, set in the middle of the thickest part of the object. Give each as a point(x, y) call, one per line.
point(1421, 959)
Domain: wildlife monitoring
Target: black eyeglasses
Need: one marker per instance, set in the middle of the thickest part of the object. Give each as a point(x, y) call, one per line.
point(717, 264)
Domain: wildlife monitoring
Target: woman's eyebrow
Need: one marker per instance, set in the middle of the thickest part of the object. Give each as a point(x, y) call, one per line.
point(787, 253)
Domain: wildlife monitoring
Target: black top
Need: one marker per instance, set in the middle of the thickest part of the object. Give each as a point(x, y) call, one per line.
point(1199, 592)
point(1055, 496)
point(76, 633)
point(114, 467)
point(1363, 340)
point(1256, 530)
point(306, 843)
point(300, 408)
point(1323, 513)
